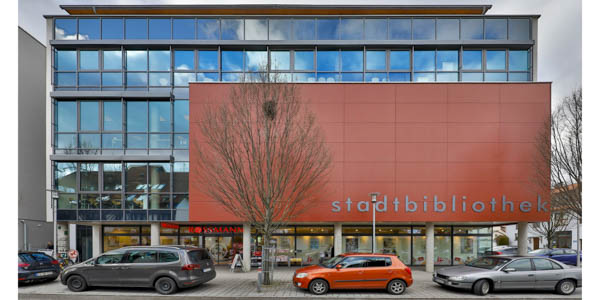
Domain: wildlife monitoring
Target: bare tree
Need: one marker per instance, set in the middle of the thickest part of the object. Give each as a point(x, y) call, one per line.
point(263, 156)
point(560, 158)
point(558, 221)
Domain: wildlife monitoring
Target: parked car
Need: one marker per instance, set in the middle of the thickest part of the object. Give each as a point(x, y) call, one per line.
point(504, 250)
point(564, 255)
point(166, 268)
point(493, 273)
point(355, 271)
point(37, 266)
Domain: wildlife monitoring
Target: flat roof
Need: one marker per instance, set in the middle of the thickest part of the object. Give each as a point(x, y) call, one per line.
point(276, 9)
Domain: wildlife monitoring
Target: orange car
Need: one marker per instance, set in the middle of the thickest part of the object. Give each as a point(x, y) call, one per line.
point(355, 271)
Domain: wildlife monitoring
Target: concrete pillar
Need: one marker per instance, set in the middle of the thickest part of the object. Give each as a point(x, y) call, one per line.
point(246, 247)
point(72, 236)
point(154, 234)
point(337, 238)
point(96, 240)
point(429, 247)
point(522, 228)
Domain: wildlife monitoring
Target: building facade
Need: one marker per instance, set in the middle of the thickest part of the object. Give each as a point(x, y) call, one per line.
point(430, 106)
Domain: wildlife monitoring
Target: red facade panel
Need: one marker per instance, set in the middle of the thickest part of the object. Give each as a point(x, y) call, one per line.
point(456, 152)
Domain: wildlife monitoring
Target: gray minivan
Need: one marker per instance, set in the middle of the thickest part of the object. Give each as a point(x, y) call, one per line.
point(166, 268)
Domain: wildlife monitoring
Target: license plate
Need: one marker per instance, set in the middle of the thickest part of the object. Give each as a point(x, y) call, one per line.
point(440, 281)
point(44, 273)
point(207, 270)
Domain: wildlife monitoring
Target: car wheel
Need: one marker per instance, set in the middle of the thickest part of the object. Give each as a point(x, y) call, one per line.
point(165, 286)
point(396, 287)
point(565, 287)
point(76, 283)
point(481, 287)
point(318, 287)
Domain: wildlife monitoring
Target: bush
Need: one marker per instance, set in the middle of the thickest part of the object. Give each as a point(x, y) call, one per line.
point(502, 240)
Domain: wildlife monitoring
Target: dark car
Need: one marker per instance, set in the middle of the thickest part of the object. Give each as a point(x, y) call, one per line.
point(37, 266)
point(564, 255)
point(166, 268)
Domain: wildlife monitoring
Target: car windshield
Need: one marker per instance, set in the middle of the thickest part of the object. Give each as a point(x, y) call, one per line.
point(332, 262)
point(489, 263)
point(540, 251)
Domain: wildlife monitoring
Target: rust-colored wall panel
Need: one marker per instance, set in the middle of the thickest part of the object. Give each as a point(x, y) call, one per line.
point(434, 140)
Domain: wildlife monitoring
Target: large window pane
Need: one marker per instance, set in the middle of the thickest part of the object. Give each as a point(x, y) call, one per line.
point(232, 60)
point(256, 60)
point(495, 76)
point(280, 60)
point(518, 60)
point(65, 60)
point(424, 60)
point(352, 77)
point(180, 141)
point(423, 29)
point(328, 77)
point(471, 60)
point(112, 79)
point(137, 141)
point(376, 77)
point(112, 60)
point(159, 60)
point(136, 29)
point(472, 77)
point(112, 141)
point(468, 248)
point(375, 60)
point(424, 77)
point(160, 177)
point(495, 29)
point(304, 60)
point(137, 116)
point(65, 177)
point(181, 115)
point(328, 29)
point(67, 201)
point(495, 59)
point(65, 29)
point(418, 248)
point(184, 29)
point(471, 29)
point(304, 29)
point(399, 60)
point(111, 201)
point(136, 177)
point(159, 79)
point(518, 29)
point(447, 60)
point(400, 29)
point(137, 60)
point(88, 174)
point(280, 29)
point(66, 141)
point(137, 79)
point(183, 79)
point(208, 29)
point(256, 29)
point(399, 76)
point(376, 29)
point(231, 77)
point(352, 61)
point(181, 176)
point(208, 60)
point(88, 60)
point(352, 29)
point(207, 77)
point(89, 141)
point(304, 77)
point(160, 141)
point(442, 250)
point(160, 116)
point(66, 116)
point(184, 59)
point(357, 244)
point(112, 29)
point(447, 77)
point(89, 79)
point(89, 201)
point(89, 116)
point(65, 79)
point(232, 29)
point(136, 201)
point(160, 29)
point(447, 29)
point(518, 76)
point(328, 60)
point(89, 29)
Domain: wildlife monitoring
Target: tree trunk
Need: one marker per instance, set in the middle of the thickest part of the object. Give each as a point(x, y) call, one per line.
point(578, 243)
point(268, 268)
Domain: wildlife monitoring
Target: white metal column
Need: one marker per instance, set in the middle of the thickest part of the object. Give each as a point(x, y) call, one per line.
point(522, 228)
point(429, 247)
point(96, 240)
point(246, 245)
point(154, 234)
point(337, 238)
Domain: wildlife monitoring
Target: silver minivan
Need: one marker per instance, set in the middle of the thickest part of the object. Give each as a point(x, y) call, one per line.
point(166, 268)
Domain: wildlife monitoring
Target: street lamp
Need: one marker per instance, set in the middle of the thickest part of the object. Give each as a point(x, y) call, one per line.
point(373, 200)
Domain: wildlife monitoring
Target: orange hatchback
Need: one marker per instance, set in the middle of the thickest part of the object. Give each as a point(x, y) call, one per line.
point(355, 271)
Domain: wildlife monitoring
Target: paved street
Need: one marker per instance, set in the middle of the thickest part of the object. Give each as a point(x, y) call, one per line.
point(229, 285)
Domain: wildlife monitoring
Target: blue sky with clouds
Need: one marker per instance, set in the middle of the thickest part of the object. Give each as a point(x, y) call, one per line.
point(559, 35)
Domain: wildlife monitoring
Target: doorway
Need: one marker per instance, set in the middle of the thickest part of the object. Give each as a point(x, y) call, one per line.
point(536, 243)
point(84, 242)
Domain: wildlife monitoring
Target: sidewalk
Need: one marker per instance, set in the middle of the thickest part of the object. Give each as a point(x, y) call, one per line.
point(228, 285)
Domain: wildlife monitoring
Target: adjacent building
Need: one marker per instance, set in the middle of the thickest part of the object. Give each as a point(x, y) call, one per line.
point(435, 107)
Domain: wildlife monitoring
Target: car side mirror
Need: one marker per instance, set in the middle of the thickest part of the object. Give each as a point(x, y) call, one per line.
point(338, 266)
point(508, 270)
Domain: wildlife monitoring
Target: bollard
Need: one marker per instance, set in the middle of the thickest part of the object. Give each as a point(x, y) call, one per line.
point(259, 281)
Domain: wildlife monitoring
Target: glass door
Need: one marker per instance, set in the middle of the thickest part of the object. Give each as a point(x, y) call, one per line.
point(220, 248)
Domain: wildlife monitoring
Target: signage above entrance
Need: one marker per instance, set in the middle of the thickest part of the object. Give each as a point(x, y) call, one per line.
point(206, 229)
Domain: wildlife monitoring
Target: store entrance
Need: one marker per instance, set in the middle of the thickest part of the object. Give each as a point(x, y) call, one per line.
point(223, 247)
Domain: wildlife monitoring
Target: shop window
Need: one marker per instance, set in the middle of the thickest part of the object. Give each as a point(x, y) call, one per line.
point(442, 250)
point(397, 245)
point(311, 248)
point(419, 257)
point(359, 244)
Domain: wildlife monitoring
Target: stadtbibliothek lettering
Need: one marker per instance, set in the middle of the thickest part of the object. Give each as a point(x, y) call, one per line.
point(453, 205)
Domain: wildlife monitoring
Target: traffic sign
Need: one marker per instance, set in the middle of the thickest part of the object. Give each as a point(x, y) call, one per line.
point(73, 254)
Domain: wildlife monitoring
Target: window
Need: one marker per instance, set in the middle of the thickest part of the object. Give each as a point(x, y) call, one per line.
point(167, 256)
point(518, 29)
point(66, 116)
point(159, 60)
point(424, 60)
point(160, 116)
point(141, 256)
point(111, 201)
point(112, 60)
point(256, 29)
point(352, 29)
point(471, 60)
point(232, 60)
point(112, 177)
point(136, 177)
point(89, 116)
point(354, 262)
point(232, 29)
point(520, 265)
point(137, 116)
point(112, 120)
point(379, 262)
point(256, 61)
point(112, 29)
point(304, 29)
point(376, 60)
point(280, 29)
point(89, 201)
point(137, 60)
point(65, 177)
point(518, 60)
point(208, 60)
point(542, 264)
point(447, 29)
point(136, 29)
point(304, 60)
point(471, 29)
point(495, 29)
point(65, 60)
point(495, 60)
point(328, 29)
point(376, 29)
point(208, 29)
point(89, 29)
point(280, 60)
point(159, 29)
point(400, 29)
point(184, 29)
point(328, 60)
point(399, 60)
point(423, 29)
point(181, 176)
point(352, 61)
point(65, 29)
point(110, 258)
point(447, 60)
point(181, 115)
point(556, 266)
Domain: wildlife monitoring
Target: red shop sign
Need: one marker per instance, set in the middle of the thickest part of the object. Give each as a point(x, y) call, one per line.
point(206, 229)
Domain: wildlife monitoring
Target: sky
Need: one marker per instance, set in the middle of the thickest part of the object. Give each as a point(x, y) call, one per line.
point(559, 34)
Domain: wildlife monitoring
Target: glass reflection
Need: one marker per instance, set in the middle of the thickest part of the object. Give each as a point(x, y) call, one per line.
point(112, 60)
point(400, 29)
point(160, 141)
point(328, 77)
point(280, 60)
point(447, 29)
point(89, 201)
point(136, 29)
point(399, 60)
point(65, 29)
point(136, 60)
point(495, 59)
point(65, 176)
point(424, 77)
point(159, 29)
point(231, 77)
point(181, 115)
point(88, 60)
point(136, 177)
point(136, 201)
point(112, 79)
point(352, 29)
point(328, 29)
point(66, 141)
point(65, 60)
point(352, 61)
point(66, 116)
point(159, 79)
point(518, 29)
point(256, 29)
point(518, 76)
point(495, 29)
point(160, 116)
point(424, 60)
point(376, 29)
point(256, 61)
point(137, 141)
point(89, 141)
point(375, 60)
point(449, 77)
point(89, 116)
point(159, 60)
point(89, 79)
point(328, 60)
point(88, 177)
point(112, 116)
point(472, 76)
point(111, 201)
point(89, 29)
point(137, 112)
point(375, 77)
point(159, 177)
point(137, 79)
point(471, 59)
point(280, 29)
point(352, 77)
point(304, 77)
point(183, 79)
point(208, 29)
point(232, 60)
point(112, 141)
point(471, 29)
point(207, 77)
point(112, 29)
point(184, 59)
point(447, 60)
point(232, 29)
point(495, 76)
point(65, 79)
point(518, 60)
point(423, 29)
point(399, 77)
point(304, 29)
point(304, 60)
point(208, 59)
point(184, 29)
point(180, 141)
